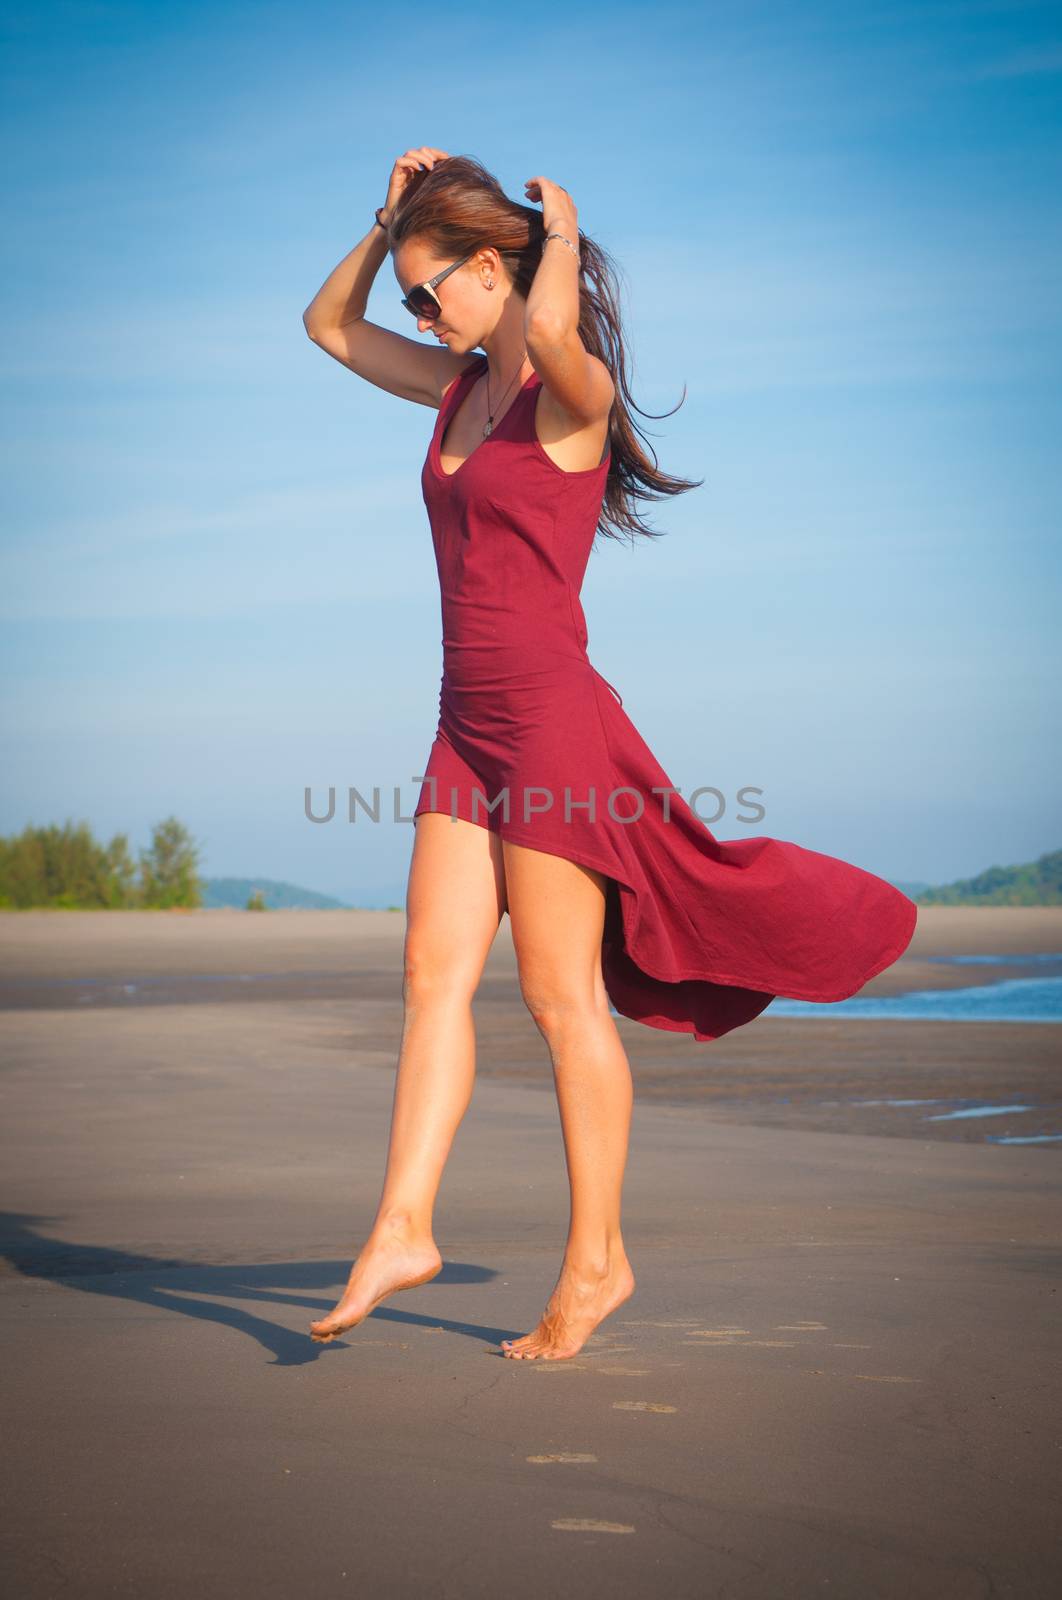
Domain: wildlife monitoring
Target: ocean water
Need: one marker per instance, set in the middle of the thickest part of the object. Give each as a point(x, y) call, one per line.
point(1027, 999)
point(965, 1110)
point(1048, 958)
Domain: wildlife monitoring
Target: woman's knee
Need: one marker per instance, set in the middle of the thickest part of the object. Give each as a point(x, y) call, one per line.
point(433, 971)
point(562, 999)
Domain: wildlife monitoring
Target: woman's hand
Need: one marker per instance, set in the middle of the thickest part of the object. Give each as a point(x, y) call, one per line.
point(558, 207)
point(404, 169)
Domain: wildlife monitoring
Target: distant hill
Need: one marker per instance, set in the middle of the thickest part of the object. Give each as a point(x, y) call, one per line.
point(219, 892)
point(1036, 883)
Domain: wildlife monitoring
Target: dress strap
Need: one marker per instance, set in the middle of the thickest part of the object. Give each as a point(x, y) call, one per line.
point(464, 379)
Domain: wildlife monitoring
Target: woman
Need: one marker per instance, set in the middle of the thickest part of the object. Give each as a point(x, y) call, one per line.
point(540, 798)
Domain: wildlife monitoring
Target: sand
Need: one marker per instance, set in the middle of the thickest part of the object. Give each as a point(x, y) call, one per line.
point(346, 968)
point(838, 1374)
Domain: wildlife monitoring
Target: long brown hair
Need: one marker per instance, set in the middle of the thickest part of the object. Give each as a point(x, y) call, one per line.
point(457, 207)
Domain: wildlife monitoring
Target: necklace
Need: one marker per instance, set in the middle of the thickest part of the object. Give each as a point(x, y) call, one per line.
point(488, 426)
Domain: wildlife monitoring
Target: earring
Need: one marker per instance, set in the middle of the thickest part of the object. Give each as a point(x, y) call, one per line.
point(490, 283)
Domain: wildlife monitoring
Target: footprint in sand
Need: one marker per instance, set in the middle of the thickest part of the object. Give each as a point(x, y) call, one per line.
point(562, 1455)
point(588, 1525)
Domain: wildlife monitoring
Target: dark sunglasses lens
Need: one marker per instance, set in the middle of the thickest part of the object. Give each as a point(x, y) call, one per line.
point(421, 303)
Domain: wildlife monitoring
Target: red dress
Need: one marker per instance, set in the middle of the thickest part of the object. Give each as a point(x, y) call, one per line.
point(532, 742)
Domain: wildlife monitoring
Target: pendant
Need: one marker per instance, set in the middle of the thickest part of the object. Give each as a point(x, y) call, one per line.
point(488, 426)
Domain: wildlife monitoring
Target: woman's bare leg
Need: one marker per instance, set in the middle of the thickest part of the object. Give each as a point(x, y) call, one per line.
point(557, 911)
point(454, 903)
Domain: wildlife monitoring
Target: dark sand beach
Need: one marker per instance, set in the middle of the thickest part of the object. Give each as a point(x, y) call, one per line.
point(341, 970)
point(838, 1373)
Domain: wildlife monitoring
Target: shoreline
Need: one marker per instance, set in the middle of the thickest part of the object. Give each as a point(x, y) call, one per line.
point(335, 978)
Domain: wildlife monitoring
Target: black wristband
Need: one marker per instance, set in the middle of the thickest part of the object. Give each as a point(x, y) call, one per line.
point(376, 218)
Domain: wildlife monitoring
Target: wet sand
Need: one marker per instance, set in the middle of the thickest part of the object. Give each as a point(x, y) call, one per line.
point(838, 1373)
point(345, 967)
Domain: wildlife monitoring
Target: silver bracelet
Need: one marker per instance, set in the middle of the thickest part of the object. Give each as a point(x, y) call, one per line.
point(568, 242)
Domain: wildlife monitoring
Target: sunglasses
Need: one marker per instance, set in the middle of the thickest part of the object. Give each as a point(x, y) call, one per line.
point(422, 300)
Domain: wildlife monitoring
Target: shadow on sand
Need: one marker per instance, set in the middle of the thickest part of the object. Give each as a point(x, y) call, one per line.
point(196, 1290)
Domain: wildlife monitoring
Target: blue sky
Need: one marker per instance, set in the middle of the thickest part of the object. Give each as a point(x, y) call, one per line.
point(838, 226)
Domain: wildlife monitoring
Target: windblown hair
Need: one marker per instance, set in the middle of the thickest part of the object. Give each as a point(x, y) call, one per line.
point(457, 207)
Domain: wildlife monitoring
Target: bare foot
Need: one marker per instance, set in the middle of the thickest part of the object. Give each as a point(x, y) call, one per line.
point(388, 1262)
point(581, 1299)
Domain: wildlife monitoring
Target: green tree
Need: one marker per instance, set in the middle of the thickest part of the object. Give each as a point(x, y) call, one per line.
point(169, 873)
point(122, 890)
point(256, 901)
point(64, 867)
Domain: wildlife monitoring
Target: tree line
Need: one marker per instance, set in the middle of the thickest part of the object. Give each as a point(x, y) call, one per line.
point(67, 868)
point(1030, 883)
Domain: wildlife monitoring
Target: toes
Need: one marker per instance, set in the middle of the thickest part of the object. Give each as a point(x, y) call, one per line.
point(322, 1333)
